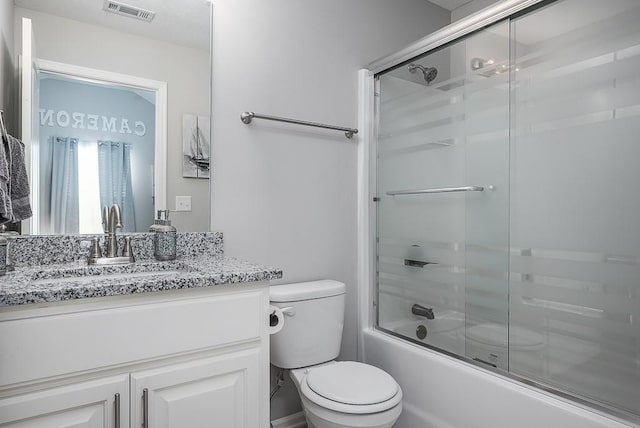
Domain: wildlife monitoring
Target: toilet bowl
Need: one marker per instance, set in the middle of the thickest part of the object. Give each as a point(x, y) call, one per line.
point(334, 394)
point(348, 394)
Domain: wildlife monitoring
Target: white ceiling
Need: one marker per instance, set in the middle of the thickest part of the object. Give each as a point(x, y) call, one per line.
point(450, 4)
point(185, 22)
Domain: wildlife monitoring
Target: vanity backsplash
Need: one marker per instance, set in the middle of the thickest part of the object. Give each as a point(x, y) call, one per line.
point(45, 250)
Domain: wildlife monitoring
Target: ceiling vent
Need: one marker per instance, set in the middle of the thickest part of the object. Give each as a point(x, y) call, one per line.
point(126, 10)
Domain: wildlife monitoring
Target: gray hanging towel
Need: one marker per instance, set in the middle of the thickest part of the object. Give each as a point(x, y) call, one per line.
point(19, 182)
point(6, 212)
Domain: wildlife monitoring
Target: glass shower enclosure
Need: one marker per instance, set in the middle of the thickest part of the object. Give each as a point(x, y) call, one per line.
point(508, 209)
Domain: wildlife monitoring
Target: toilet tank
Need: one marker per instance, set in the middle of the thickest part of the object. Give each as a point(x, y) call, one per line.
point(313, 323)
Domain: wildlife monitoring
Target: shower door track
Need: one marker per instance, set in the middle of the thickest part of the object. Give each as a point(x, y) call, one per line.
point(450, 33)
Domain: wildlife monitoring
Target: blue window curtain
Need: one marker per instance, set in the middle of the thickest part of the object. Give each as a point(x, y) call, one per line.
point(64, 208)
point(114, 169)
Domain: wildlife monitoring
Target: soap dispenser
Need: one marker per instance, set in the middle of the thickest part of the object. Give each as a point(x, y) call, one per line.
point(3, 256)
point(164, 237)
point(6, 236)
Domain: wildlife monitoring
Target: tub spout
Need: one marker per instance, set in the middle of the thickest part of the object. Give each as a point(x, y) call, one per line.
point(421, 311)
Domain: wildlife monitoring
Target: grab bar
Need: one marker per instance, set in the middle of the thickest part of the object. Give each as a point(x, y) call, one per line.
point(247, 116)
point(438, 190)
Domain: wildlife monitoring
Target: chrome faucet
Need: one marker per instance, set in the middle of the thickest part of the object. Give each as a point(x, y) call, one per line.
point(111, 222)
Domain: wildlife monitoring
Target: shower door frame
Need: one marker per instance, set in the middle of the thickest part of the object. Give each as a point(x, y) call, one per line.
point(457, 30)
point(368, 95)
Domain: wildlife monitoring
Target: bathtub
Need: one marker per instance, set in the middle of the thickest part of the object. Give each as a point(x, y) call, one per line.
point(443, 392)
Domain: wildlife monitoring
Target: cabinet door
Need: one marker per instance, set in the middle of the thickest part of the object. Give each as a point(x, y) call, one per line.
point(90, 404)
point(221, 391)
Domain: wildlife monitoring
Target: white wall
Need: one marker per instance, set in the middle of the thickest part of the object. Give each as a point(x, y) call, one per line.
point(186, 71)
point(285, 195)
point(8, 61)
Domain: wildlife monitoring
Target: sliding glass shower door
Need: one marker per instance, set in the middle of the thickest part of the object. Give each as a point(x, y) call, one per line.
point(442, 174)
point(575, 204)
point(508, 209)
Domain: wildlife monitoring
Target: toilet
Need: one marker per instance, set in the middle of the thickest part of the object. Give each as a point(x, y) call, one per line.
point(334, 394)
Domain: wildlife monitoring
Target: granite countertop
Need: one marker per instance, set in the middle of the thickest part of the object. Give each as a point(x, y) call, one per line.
point(76, 280)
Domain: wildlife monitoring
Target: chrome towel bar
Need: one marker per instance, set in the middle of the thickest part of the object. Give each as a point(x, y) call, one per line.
point(247, 116)
point(438, 190)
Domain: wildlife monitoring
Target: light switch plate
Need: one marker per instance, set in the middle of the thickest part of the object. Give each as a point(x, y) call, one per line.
point(183, 203)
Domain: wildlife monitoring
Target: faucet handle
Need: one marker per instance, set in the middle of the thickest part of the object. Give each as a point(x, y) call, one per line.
point(95, 252)
point(126, 248)
point(105, 219)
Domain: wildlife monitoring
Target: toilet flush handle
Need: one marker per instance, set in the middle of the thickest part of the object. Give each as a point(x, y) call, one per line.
point(289, 311)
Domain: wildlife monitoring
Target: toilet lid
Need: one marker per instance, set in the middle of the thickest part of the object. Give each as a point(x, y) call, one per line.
point(352, 383)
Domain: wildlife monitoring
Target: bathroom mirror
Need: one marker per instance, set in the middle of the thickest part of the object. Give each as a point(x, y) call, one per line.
point(153, 40)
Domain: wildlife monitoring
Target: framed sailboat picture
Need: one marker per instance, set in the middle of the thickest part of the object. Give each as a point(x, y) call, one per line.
point(195, 146)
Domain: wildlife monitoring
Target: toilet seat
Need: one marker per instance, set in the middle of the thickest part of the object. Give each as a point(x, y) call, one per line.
point(353, 383)
point(351, 387)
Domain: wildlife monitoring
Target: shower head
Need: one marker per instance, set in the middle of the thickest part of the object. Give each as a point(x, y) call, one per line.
point(429, 73)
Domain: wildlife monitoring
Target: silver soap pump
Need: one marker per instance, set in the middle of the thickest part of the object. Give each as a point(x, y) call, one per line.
point(6, 236)
point(164, 237)
point(3, 255)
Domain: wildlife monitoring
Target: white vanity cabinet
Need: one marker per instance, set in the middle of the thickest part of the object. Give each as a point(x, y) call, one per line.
point(90, 404)
point(182, 358)
point(208, 392)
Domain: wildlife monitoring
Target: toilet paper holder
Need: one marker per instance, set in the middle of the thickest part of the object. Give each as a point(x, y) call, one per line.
point(288, 311)
point(276, 317)
point(273, 319)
